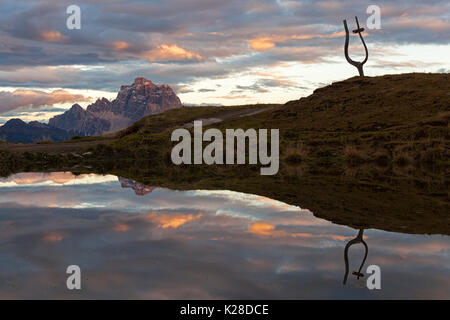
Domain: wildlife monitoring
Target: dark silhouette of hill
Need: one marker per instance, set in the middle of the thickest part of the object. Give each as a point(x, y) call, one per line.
point(16, 130)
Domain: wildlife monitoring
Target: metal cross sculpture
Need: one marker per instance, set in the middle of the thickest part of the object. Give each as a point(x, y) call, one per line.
point(358, 65)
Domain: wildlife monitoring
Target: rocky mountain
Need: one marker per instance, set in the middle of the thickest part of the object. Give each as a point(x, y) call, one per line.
point(144, 98)
point(16, 130)
point(80, 122)
point(133, 102)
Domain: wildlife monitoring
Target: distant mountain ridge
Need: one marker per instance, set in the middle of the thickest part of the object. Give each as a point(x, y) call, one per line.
point(80, 122)
point(133, 102)
point(16, 130)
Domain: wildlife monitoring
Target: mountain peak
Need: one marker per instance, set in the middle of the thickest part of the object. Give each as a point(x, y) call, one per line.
point(80, 122)
point(141, 81)
point(100, 105)
point(38, 124)
point(101, 101)
point(16, 130)
point(144, 98)
point(14, 123)
point(77, 107)
point(133, 102)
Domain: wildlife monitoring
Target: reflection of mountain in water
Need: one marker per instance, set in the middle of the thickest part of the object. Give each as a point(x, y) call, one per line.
point(139, 188)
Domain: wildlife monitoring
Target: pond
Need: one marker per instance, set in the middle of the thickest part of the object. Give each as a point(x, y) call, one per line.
point(138, 241)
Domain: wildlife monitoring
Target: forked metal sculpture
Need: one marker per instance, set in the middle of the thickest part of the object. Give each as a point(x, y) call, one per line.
point(358, 65)
point(359, 239)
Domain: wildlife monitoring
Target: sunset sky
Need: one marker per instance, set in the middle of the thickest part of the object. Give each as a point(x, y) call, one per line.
point(223, 52)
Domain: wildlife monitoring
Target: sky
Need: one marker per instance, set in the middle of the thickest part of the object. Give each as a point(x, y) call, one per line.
point(212, 52)
point(196, 244)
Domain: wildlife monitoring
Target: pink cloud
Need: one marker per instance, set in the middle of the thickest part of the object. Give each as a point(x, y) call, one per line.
point(435, 25)
point(52, 36)
point(36, 99)
point(171, 52)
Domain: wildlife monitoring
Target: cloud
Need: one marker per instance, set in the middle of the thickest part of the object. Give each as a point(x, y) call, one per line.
point(266, 43)
point(206, 90)
point(179, 89)
point(430, 24)
point(53, 237)
point(36, 99)
point(172, 52)
point(121, 227)
point(330, 5)
point(120, 45)
point(268, 82)
point(172, 220)
point(262, 44)
point(262, 228)
point(265, 229)
point(256, 87)
point(53, 178)
point(232, 97)
point(52, 36)
point(181, 43)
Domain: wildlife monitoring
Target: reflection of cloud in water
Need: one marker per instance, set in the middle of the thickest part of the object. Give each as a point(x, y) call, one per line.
point(53, 179)
point(263, 228)
point(53, 237)
point(193, 244)
point(171, 220)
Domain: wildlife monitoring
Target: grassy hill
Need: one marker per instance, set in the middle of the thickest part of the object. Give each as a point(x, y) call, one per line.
point(400, 118)
point(364, 152)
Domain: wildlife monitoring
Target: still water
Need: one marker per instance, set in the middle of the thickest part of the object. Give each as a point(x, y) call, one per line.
point(145, 242)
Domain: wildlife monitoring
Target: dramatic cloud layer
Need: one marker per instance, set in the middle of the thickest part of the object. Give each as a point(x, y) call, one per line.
point(35, 99)
point(215, 51)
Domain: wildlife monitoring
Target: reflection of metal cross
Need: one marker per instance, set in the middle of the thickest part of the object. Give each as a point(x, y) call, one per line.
point(359, 239)
point(359, 30)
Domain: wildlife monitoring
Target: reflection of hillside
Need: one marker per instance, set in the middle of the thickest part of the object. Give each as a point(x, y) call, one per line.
point(373, 200)
point(139, 188)
point(388, 203)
